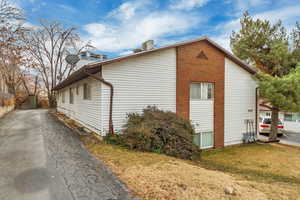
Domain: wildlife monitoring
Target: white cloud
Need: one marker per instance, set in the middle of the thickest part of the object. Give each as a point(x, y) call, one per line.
point(130, 34)
point(128, 9)
point(289, 15)
point(95, 29)
point(187, 4)
point(30, 25)
point(247, 4)
point(67, 8)
point(15, 3)
point(223, 40)
point(124, 53)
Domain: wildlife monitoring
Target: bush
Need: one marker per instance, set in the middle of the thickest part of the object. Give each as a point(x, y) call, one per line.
point(161, 132)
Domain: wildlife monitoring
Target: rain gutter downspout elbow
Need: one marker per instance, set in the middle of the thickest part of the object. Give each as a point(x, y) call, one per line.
point(100, 78)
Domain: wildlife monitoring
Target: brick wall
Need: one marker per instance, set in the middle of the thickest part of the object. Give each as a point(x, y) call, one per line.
point(192, 68)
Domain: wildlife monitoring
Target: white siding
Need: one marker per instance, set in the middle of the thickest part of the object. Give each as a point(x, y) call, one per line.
point(87, 112)
point(202, 115)
point(139, 82)
point(240, 99)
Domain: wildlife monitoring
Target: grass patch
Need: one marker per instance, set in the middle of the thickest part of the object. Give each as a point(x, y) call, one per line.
point(156, 176)
point(268, 162)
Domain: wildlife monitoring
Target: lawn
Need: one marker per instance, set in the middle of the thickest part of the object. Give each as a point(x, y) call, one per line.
point(267, 162)
point(253, 171)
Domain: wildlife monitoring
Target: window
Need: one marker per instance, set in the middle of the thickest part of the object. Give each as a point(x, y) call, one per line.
point(87, 92)
point(71, 96)
point(202, 91)
point(291, 117)
point(288, 117)
point(297, 116)
point(63, 97)
point(204, 140)
point(77, 90)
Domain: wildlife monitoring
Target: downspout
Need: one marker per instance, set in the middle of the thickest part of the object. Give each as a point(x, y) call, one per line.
point(100, 78)
point(256, 109)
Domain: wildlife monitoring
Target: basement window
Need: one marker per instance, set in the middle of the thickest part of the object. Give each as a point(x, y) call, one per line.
point(71, 96)
point(201, 91)
point(87, 93)
point(204, 140)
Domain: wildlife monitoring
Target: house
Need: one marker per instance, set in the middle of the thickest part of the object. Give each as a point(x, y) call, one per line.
point(290, 120)
point(86, 57)
point(197, 79)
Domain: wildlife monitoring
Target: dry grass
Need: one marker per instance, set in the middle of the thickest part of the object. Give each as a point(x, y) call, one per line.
point(154, 176)
point(268, 162)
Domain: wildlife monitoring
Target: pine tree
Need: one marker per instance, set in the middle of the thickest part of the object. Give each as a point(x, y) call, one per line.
point(275, 53)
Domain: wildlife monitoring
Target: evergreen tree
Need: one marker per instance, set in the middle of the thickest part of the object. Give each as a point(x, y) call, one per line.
point(275, 53)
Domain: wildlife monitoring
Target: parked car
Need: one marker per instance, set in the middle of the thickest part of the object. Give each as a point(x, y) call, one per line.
point(265, 127)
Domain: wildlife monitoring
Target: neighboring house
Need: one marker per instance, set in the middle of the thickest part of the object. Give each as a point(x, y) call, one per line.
point(290, 120)
point(197, 79)
point(87, 57)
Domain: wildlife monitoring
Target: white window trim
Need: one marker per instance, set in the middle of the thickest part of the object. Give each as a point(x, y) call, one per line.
point(203, 91)
point(212, 135)
point(201, 139)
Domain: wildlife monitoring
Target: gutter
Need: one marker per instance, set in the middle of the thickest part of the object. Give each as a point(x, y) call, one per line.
point(100, 78)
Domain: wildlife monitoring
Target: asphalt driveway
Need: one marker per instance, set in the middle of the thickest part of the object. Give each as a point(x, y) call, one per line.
point(291, 138)
point(41, 159)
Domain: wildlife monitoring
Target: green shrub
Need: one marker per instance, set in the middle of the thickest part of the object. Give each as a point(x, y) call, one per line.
point(161, 132)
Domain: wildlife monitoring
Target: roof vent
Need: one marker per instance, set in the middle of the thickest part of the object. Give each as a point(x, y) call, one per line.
point(148, 45)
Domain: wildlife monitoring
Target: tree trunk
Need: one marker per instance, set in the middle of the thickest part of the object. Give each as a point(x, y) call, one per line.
point(274, 124)
point(52, 100)
point(35, 85)
point(11, 89)
point(25, 86)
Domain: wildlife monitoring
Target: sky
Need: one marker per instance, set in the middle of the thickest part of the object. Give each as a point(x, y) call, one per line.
point(115, 27)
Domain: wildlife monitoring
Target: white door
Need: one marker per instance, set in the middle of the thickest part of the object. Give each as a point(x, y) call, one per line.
point(202, 113)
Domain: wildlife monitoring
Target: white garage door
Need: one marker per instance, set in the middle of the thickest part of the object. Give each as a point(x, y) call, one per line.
point(202, 113)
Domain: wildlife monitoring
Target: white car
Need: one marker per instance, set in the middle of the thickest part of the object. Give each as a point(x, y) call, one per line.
point(265, 127)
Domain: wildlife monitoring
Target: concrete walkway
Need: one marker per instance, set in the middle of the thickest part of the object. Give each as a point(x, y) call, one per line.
point(41, 159)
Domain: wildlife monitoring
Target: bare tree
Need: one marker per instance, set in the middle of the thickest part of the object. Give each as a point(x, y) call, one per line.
point(48, 45)
point(11, 58)
point(11, 48)
point(9, 12)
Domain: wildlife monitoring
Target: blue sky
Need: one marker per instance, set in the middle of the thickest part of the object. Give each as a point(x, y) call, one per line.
point(115, 27)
